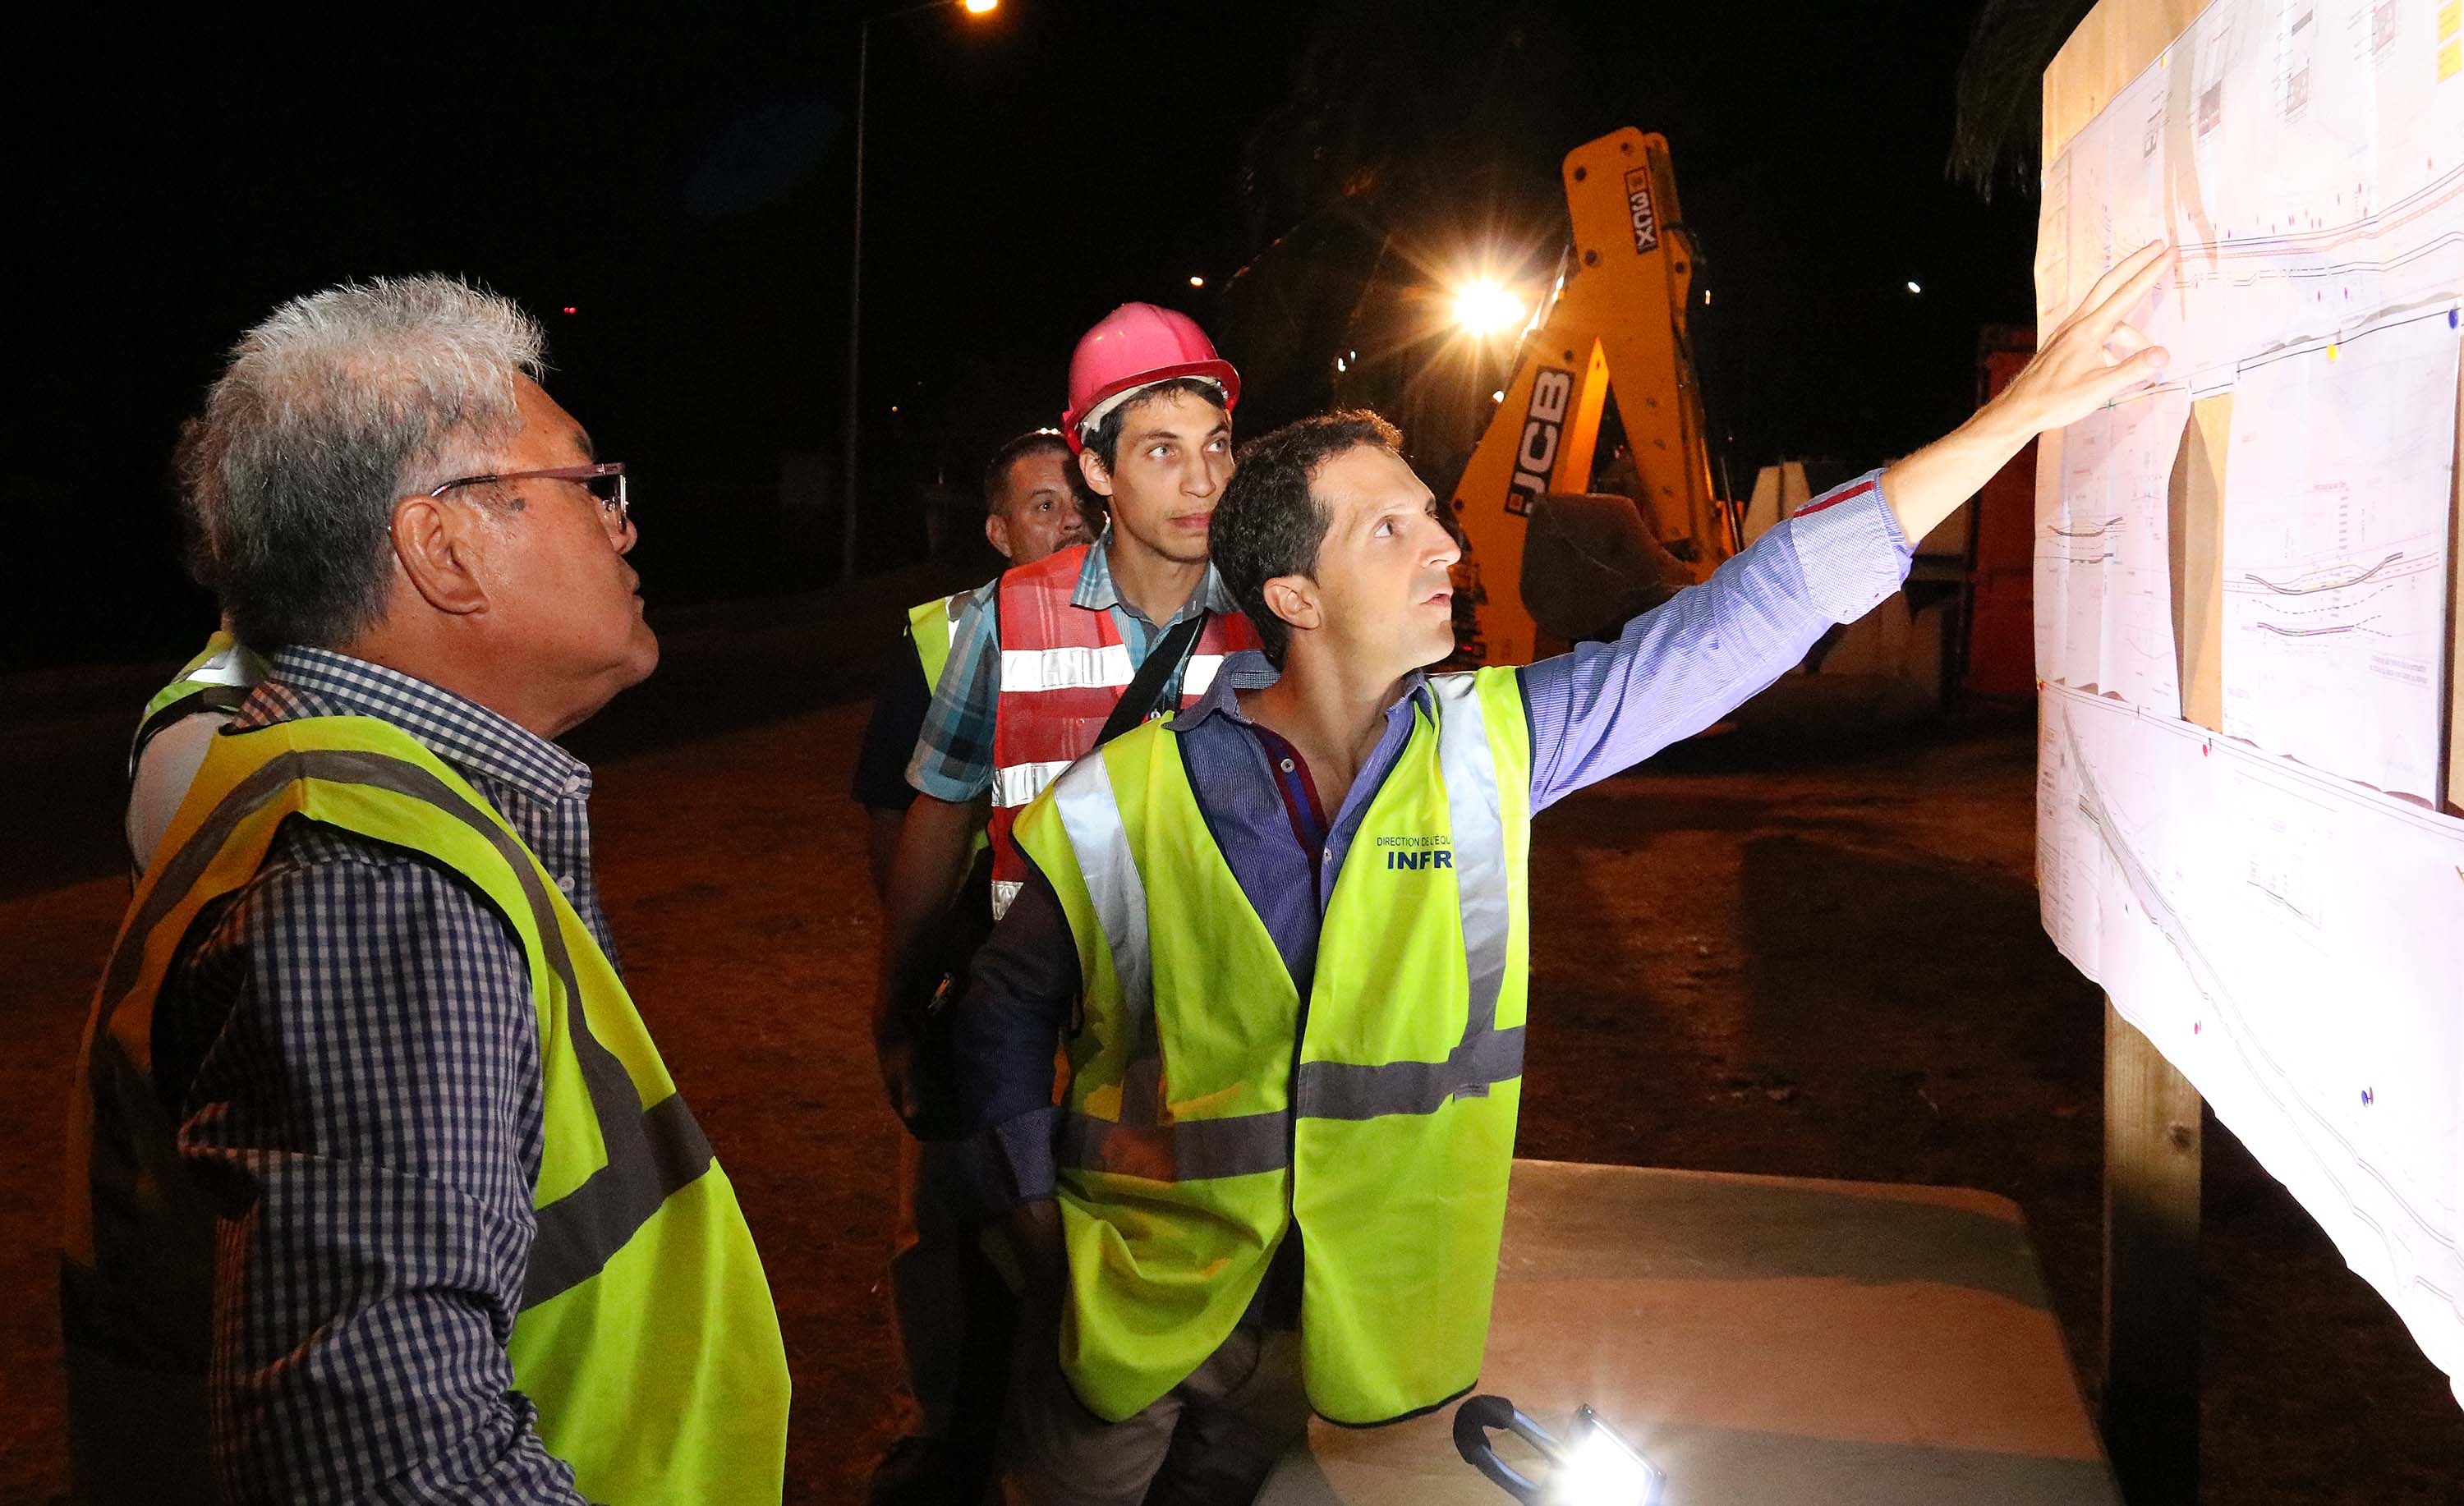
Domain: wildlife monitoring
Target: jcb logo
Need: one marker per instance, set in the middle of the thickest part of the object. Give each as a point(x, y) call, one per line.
point(1552, 392)
point(1637, 206)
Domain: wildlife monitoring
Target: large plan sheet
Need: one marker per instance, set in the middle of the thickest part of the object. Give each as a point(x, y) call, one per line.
point(2276, 901)
point(2291, 944)
point(2339, 480)
point(2104, 595)
point(2305, 156)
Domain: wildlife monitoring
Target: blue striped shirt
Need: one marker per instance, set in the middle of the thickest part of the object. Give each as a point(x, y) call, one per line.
point(1594, 711)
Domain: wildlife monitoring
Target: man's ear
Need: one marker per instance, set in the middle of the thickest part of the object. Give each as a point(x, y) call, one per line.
point(1091, 465)
point(1294, 600)
point(996, 533)
point(437, 545)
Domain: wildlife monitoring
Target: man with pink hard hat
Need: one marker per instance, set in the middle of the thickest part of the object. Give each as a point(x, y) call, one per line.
point(1055, 656)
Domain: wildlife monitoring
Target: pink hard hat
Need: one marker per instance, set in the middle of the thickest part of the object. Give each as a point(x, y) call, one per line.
point(1135, 346)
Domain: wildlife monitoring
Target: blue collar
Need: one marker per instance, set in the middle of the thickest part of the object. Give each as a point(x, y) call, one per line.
point(1249, 670)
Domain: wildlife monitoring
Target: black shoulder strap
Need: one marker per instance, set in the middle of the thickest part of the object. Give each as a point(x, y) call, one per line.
point(224, 700)
point(1146, 688)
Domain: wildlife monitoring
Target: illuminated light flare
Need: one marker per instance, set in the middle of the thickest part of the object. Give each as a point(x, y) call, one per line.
point(1485, 308)
point(1600, 1473)
point(981, 7)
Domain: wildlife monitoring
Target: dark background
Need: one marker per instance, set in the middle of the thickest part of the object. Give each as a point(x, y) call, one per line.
point(682, 181)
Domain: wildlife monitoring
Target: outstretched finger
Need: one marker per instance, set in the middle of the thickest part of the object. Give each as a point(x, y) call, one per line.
point(2126, 295)
point(2120, 272)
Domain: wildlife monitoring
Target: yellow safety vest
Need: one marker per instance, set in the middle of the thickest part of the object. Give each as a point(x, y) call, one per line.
point(930, 622)
point(223, 662)
point(647, 1338)
point(1194, 1136)
point(218, 679)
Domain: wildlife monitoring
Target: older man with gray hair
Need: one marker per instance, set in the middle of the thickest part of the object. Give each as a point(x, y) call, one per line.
point(377, 1186)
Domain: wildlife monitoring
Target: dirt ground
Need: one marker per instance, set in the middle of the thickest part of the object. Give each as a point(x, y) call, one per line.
point(1790, 954)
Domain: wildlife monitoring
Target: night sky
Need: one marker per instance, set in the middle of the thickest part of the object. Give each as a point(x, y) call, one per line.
point(683, 183)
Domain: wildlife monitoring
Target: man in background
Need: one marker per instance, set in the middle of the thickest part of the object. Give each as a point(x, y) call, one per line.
point(951, 1312)
point(1031, 509)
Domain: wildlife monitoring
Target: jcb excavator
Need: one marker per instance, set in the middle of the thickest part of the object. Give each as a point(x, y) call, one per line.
point(1547, 561)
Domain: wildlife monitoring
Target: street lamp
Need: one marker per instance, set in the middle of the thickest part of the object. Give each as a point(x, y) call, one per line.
point(855, 261)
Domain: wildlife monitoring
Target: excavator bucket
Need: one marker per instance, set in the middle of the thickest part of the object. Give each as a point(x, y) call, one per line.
point(1590, 564)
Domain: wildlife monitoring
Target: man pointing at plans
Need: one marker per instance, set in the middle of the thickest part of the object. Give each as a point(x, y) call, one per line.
point(1282, 940)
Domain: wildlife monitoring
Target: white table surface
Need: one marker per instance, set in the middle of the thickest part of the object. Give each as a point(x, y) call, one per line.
point(1766, 1340)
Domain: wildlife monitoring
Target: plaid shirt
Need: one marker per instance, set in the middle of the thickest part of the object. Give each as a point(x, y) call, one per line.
point(353, 1049)
point(953, 756)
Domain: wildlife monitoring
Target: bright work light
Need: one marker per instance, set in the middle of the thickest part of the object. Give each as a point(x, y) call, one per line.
point(1484, 308)
point(1595, 1468)
point(1601, 1468)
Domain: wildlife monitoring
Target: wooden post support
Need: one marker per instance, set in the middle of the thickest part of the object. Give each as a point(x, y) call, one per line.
point(2151, 1256)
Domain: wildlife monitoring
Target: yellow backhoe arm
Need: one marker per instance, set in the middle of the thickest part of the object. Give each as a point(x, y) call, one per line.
point(1620, 318)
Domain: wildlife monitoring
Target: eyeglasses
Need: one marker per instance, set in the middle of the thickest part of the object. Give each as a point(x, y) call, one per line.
point(604, 481)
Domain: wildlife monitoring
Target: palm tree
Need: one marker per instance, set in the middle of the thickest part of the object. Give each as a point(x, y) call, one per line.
point(2001, 90)
point(1416, 140)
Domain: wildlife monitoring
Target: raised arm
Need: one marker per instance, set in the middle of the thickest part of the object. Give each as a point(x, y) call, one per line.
point(1685, 664)
point(2094, 358)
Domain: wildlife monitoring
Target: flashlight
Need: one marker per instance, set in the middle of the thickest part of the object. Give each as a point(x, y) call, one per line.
point(1592, 1467)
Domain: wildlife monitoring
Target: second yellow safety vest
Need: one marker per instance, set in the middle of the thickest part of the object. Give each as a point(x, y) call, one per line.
point(646, 1338)
point(929, 624)
point(1212, 1110)
point(218, 679)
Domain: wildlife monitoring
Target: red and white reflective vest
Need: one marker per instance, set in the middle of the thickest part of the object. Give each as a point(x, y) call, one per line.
point(1063, 670)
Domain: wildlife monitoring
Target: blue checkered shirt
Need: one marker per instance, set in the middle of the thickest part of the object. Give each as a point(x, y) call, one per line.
point(353, 1050)
point(954, 755)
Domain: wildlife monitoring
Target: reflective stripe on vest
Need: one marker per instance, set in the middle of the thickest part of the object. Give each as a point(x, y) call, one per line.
point(633, 1214)
point(1189, 1139)
point(1063, 670)
point(223, 662)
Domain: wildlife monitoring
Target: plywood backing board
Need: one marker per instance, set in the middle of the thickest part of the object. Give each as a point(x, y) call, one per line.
point(2118, 39)
point(2195, 534)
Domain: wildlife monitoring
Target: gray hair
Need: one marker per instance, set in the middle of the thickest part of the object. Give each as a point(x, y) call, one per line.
point(333, 408)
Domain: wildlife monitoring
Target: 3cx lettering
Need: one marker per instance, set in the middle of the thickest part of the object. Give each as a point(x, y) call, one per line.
point(1440, 859)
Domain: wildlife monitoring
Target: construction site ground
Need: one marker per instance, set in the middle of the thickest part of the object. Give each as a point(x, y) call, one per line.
point(1806, 949)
